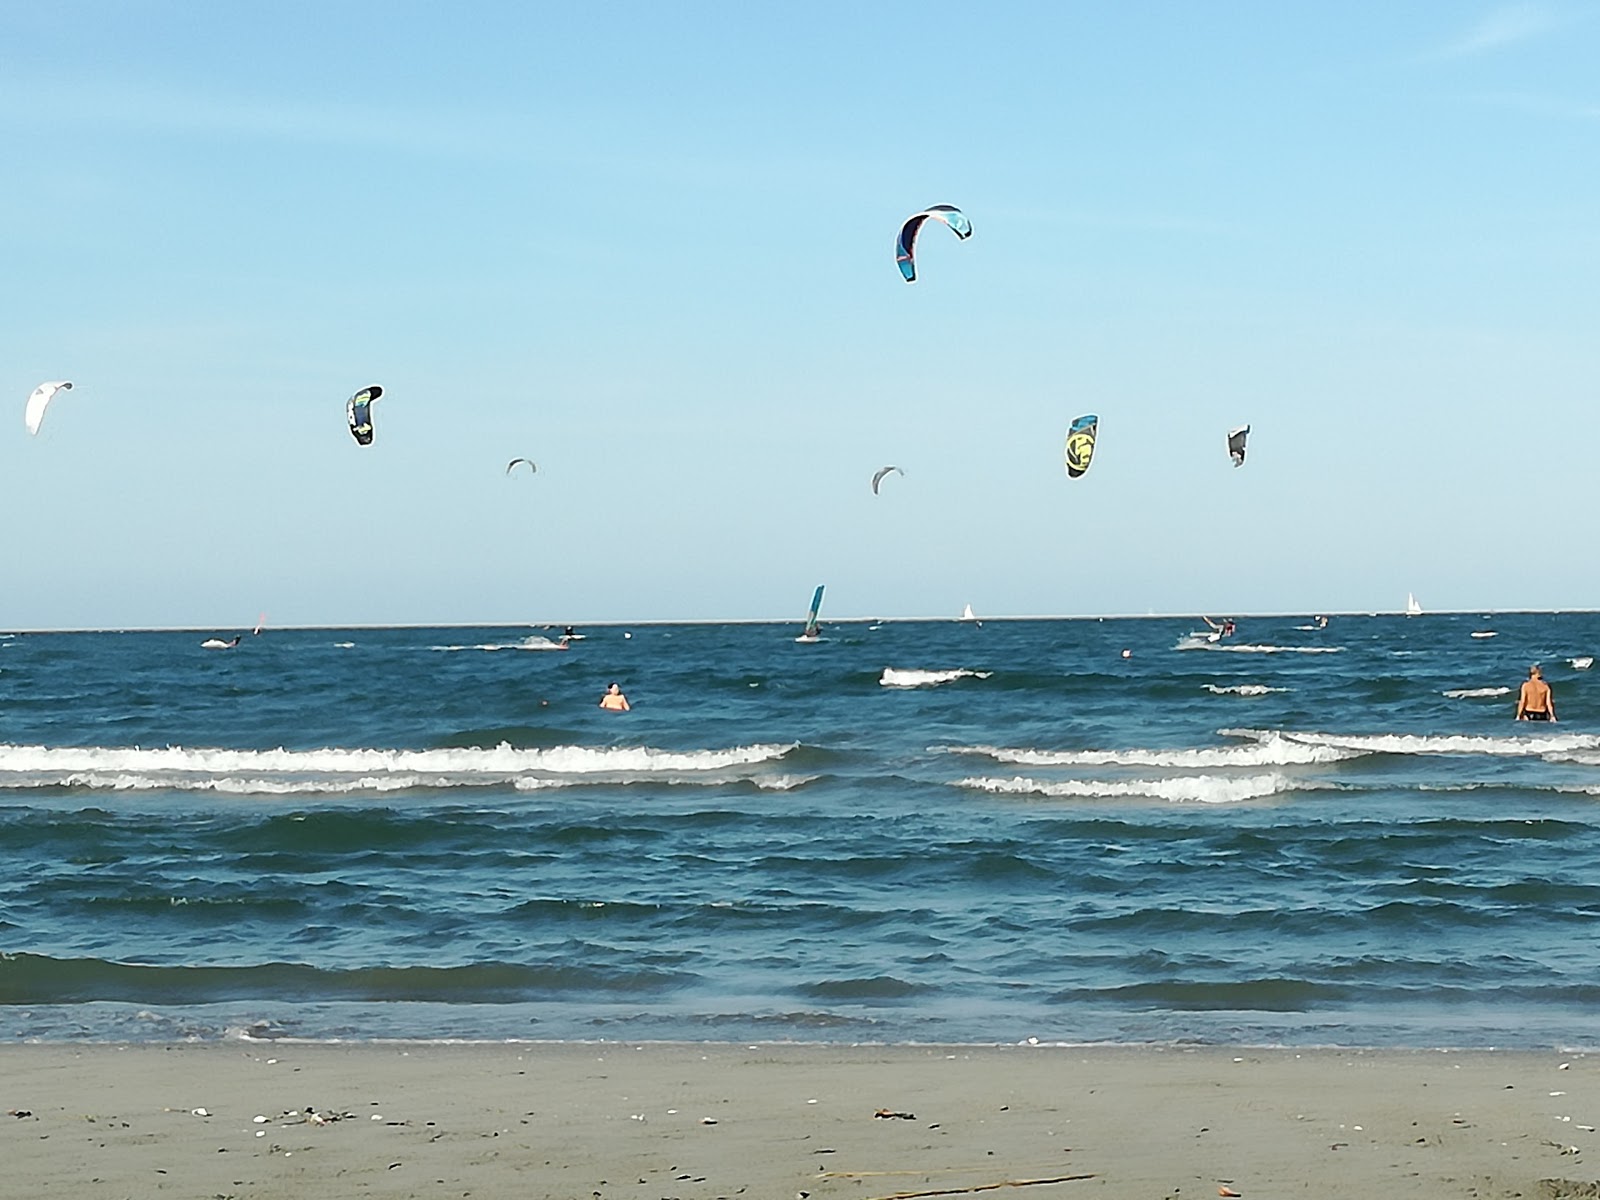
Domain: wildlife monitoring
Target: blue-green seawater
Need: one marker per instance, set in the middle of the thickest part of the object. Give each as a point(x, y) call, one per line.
point(910, 831)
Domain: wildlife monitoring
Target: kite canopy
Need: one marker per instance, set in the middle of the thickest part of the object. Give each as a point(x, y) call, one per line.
point(1236, 440)
point(1080, 444)
point(905, 246)
point(877, 476)
point(39, 400)
point(358, 409)
point(533, 467)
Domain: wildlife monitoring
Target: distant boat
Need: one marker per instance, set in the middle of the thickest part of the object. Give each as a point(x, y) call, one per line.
point(968, 615)
point(1413, 609)
point(812, 631)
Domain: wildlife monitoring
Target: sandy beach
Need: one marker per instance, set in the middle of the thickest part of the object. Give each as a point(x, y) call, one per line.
point(698, 1121)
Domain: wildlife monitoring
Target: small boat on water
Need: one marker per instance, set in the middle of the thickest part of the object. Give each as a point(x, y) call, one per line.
point(1413, 609)
point(968, 615)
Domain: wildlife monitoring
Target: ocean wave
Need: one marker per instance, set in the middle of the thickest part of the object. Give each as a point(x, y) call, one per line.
point(1476, 693)
point(534, 642)
point(1406, 743)
point(894, 677)
point(1267, 752)
point(287, 772)
point(1196, 642)
point(1186, 789)
point(1243, 689)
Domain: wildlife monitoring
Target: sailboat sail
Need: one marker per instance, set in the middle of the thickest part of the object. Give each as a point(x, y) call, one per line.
point(810, 630)
point(967, 614)
point(1413, 609)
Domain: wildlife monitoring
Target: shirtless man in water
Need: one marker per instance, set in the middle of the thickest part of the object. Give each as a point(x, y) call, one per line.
point(614, 700)
point(1536, 703)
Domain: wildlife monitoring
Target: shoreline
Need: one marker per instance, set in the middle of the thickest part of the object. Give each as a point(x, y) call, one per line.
point(641, 1121)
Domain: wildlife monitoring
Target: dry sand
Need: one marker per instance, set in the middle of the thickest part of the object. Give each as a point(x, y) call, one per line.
point(622, 1122)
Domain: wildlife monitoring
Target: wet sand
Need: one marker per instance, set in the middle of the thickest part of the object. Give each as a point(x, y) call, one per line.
point(622, 1122)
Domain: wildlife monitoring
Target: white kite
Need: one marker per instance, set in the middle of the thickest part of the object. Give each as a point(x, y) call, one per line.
point(40, 400)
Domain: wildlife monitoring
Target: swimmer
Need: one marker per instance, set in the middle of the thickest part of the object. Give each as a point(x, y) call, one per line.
point(1535, 703)
point(614, 700)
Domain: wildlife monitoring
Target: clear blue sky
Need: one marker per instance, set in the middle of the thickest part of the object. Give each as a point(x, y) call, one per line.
point(651, 247)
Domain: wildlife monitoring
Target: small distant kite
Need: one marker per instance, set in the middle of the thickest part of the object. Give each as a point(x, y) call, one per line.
point(906, 244)
point(358, 409)
point(1236, 439)
point(877, 476)
point(39, 400)
point(1080, 444)
point(533, 467)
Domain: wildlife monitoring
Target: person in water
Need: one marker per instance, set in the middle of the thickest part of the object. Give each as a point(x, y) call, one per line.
point(1536, 703)
point(614, 700)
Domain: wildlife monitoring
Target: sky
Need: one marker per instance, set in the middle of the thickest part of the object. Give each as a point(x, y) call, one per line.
point(651, 248)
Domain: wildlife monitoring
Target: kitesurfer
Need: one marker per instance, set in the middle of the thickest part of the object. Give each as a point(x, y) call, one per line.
point(1219, 630)
point(614, 700)
point(1535, 703)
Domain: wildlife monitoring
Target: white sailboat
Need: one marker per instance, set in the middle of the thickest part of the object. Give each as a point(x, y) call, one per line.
point(1413, 609)
point(968, 615)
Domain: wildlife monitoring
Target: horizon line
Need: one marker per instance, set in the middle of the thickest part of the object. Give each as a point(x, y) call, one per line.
point(957, 620)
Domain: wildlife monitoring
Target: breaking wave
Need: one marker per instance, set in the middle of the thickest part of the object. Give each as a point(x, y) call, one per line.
point(1187, 789)
point(1476, 693)
point(290, 772)
point(1269, 751)
point(1243, 689)
point(893, 677)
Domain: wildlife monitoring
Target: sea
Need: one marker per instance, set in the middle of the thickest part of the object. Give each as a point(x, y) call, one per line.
point(912, 831)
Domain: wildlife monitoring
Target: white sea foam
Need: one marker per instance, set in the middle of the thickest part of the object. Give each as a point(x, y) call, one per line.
point(1484, 633)
point(344, 645)
point(1267, 752)
point(1476, 693)
point(894, 677)
point(1186, 789)
point(351, 770)
point(533, 642)
point(1197, 642)
point(1405, 743)
point(1243, 689)
point(1582, 663)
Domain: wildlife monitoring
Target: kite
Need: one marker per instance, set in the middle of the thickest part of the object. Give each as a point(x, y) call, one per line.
point(358, 409)
point(1080, 444)
point(532, 466)
point(905, 246)
point(39, 400)
point(877, 476)
point(1236, 439)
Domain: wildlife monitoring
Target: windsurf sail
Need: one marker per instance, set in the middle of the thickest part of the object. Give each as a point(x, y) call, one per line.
point(39, 400)
point(261, 623)
point(1236, 440)
point(812, 627)
point(358, 410)
point(906, 244)
point(1080, 444)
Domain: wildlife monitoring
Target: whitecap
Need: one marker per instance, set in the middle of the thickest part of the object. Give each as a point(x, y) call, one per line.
point(1405, 743)
point(1243, 689)
point(1268, 752)
point(1196, 642)
point(1582, 662)
point(895, 677)
point(337, 770)
point(1476, 693)
point(1184, 789)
